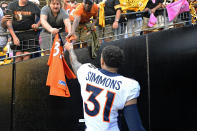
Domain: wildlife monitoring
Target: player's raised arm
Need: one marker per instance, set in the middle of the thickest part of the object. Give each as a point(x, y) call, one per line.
point(73, 58)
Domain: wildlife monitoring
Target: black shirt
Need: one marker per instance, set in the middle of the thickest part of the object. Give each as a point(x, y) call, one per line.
point(109, 7)
point(152, 5)
point(24, 16)
point(110, 10)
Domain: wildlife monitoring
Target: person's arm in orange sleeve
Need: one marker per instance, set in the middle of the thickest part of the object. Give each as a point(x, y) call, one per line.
point(67, 24)
point(77, 18)
point(75, 24)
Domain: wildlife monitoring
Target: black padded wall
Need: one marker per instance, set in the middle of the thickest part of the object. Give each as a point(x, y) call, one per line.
point(172, 61)
point(35, 109)
point(5, 97)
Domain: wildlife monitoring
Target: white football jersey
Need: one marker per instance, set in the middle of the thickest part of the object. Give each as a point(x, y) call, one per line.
point(104, 93)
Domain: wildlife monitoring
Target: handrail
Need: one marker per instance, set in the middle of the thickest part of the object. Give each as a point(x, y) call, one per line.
point(8, 33)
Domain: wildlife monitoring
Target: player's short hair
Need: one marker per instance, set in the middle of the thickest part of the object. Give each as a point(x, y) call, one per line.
point(113, 56)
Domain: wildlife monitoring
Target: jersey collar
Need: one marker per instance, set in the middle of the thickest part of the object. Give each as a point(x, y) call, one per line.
point(108, 73)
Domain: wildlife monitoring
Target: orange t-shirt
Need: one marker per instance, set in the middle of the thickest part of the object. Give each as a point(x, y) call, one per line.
point(85, 16)
point(68, 8)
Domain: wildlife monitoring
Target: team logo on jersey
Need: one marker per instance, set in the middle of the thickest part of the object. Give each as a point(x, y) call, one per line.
point(62, 83)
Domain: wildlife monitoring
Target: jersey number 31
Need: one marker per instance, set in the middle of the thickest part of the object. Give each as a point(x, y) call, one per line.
point(108, 103)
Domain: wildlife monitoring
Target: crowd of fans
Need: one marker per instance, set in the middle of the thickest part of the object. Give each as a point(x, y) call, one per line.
point(26, 28)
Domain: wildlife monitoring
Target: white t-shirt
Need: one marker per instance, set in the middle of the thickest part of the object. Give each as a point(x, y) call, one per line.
point(104, 93)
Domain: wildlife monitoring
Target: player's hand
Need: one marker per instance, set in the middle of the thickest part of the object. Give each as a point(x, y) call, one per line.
point(68, 46)
point(54, 31)
point(16, 41)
